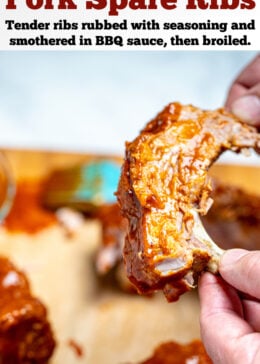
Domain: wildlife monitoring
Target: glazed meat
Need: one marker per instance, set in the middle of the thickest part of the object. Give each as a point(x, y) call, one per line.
point(164, 187)
point(233, 221)
point(25, 334)
point(174, 353)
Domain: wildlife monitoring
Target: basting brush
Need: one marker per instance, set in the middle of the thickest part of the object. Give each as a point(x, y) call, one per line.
point(83, 187)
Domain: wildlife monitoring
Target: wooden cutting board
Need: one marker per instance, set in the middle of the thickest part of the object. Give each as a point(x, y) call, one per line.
point(111, 327)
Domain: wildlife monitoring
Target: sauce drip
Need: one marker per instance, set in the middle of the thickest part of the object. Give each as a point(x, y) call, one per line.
point(77, 348)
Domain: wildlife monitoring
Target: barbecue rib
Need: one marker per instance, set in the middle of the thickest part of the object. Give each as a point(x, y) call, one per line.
point(164, 186)
point(174, 353)
point(25, 333)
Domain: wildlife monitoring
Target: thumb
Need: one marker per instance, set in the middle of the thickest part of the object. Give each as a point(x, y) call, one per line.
point(241, 269)
point(247, 107)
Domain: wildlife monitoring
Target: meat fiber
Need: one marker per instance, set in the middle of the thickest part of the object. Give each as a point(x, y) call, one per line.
point(164, 187)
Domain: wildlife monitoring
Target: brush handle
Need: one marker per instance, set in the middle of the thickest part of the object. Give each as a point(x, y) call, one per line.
point(83, 187)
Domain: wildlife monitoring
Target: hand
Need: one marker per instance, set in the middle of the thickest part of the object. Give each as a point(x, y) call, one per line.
point(230, 309)
point(244, 95)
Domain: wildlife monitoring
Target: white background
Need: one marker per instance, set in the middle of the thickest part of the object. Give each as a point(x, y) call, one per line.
point(95, 101)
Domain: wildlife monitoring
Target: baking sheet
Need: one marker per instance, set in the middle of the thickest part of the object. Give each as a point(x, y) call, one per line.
point(111, 327)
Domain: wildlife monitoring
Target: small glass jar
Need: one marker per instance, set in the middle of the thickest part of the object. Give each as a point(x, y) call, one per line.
point(7, 186)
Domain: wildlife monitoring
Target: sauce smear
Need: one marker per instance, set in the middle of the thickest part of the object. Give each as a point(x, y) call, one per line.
point(27, 213)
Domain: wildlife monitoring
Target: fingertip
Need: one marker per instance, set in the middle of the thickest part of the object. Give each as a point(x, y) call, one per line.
point(239, 268)
point(208, 286)
point(247, 108)
point(229, 263)
point(231, 257)
point(206, 278)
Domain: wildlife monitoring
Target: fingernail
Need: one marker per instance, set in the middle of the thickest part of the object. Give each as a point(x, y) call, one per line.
point(247, 108)
point(230, 257)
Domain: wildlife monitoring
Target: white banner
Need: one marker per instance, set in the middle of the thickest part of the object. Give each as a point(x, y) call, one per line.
point(129, 25)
